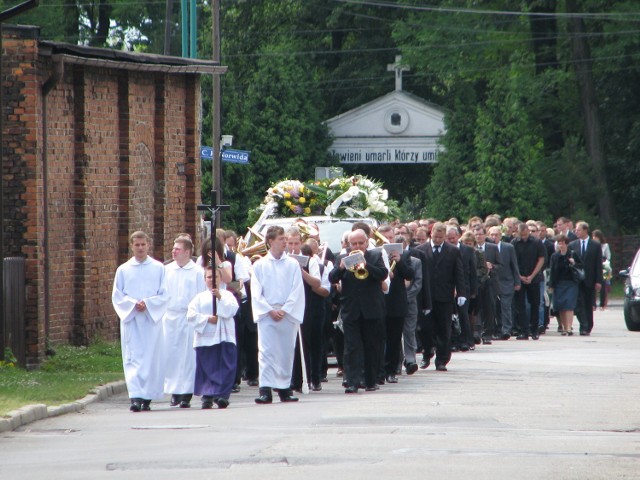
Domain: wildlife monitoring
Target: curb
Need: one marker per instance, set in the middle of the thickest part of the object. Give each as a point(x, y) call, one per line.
point(32, 413)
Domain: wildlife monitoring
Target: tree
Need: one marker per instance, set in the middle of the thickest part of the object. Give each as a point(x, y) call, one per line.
point(506, 177)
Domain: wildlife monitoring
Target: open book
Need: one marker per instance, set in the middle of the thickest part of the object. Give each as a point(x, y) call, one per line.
point(303, 260)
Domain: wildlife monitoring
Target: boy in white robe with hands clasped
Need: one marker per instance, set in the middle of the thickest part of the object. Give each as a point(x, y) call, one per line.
point(140, 299)
point(277, 295)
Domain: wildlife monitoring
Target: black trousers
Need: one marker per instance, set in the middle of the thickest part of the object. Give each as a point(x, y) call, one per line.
point(311, 330)
point(360, 350)
point(394, 326)
point(487, 309)
point(438, 331)
point(466, 332)
point(247, 343)
point(531, 291)
point(584, 307)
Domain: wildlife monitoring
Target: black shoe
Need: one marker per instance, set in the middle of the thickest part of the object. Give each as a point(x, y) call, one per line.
point(464, 347)
point(185, 404)
point(472, 348)
point(316, 387)
point(324, 379)
point(235, 388)
point(505, 336)
point(206, 404)
point(264, 399)
point(411, 368)
point(175, 401)
point(252, 383)
point(535, 336)
point(345, 383)
point(285, 395)
point(265, 396)
point(477, 340)
point(454, 348)
point(585, 334)
point(136, 405)
point(351, 390)
point(424, 364)
point(392, 379)
point(522, 337)
point(380, 381)
point(486, 341)
point(146, 406)
point(441, 368)
point(372, 389)
point(221, 402)
point(541, 329)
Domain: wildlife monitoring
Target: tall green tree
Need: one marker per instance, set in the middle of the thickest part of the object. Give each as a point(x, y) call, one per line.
point(506, 177)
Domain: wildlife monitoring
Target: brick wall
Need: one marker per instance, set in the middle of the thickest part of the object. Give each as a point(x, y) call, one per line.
point(85, 165)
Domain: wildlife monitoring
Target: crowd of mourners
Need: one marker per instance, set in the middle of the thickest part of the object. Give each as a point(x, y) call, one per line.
point(396, 298)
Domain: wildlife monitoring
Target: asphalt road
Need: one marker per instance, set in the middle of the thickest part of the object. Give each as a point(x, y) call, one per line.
point(557, 408)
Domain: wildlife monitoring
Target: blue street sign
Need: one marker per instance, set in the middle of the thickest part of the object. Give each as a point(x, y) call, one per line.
point(206, 152)
point(228, 155)
point(235, 156)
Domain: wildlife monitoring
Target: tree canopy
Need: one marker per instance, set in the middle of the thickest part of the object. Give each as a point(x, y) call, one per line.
point(541, 96)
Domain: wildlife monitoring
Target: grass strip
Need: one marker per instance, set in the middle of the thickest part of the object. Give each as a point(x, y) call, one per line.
point(64, 377)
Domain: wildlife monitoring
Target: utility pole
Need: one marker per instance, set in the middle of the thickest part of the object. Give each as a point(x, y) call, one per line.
point(215, 133)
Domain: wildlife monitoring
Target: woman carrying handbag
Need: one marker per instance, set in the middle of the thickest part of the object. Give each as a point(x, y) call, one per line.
point(563, 282)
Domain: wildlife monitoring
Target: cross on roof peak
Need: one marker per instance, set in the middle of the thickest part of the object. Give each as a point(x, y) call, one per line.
point(398, 68)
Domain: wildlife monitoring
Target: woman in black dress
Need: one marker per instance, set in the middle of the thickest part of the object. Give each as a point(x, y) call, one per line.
point(562, 283)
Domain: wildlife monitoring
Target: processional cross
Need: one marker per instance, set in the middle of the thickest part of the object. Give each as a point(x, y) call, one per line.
point(214, 208)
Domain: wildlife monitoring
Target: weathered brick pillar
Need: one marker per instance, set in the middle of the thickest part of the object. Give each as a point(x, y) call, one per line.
point(22, 172)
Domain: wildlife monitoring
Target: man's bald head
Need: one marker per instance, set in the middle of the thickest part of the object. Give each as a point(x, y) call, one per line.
point(358, 240)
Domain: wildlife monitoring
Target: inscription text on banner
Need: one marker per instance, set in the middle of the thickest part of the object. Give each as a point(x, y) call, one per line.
point(385, 155)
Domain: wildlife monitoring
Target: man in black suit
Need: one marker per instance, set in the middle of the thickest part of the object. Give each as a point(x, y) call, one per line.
point(423, 305)
point(396, 305)
point(590, 253)
point(530, 254)
point(362, 312)
point(446, 278)
point(487, 293)
point(466, 341)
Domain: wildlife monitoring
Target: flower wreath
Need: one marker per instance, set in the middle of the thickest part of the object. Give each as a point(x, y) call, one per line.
point(355, 196)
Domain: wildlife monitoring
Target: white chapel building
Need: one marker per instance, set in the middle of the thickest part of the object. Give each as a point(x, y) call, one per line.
point(396, 128)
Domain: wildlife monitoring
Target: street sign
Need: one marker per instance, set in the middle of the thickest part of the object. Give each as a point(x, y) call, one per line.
point(228, 155)
point(206, 152)
point(234, 156)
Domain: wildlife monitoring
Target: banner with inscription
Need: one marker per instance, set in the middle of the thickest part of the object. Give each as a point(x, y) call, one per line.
point(385, 155)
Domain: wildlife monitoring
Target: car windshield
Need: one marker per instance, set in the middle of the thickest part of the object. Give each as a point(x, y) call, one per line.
point(635, 267)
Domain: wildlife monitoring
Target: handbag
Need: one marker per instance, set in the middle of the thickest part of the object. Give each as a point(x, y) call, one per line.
point(456, 330)
point(577, 273)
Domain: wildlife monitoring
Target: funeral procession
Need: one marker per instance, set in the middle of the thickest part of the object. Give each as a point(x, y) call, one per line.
point(320, 238)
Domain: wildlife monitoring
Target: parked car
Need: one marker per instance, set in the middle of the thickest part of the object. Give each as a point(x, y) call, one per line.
point(632, 294)
point(331, 228)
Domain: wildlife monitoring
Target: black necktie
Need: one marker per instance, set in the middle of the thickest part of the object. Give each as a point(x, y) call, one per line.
point(436, 250)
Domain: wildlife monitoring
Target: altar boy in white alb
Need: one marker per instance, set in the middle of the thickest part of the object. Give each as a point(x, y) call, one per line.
point(184, 281)
point(140, 299)
point(277, 295)
point(214, 342)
